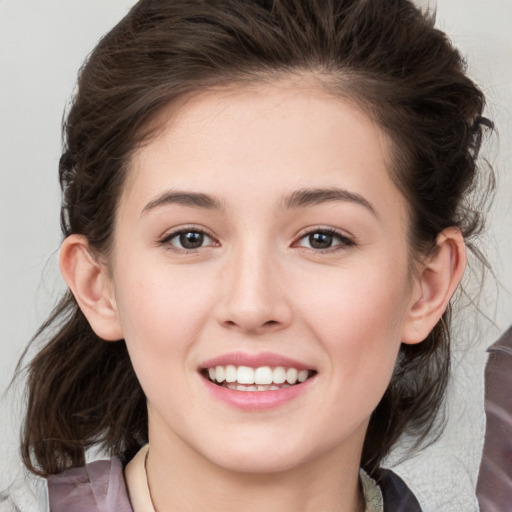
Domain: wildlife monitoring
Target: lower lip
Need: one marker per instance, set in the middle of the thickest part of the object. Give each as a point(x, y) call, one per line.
point(257, 400)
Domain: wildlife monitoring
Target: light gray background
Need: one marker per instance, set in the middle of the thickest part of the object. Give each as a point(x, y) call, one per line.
point(42, 44)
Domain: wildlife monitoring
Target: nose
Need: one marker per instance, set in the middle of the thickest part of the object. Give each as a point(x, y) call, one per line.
point(255, 297)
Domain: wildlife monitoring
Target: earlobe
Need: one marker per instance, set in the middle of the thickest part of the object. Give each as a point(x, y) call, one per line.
point(436, 283)
point(91, 286)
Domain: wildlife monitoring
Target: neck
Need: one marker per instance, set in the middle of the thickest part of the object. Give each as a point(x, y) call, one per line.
point(181, 480)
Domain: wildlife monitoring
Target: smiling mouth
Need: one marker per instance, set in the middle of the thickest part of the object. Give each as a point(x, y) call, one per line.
point(263, 378)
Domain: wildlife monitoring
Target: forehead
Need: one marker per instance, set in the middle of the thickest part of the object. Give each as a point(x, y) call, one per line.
point(288, 134)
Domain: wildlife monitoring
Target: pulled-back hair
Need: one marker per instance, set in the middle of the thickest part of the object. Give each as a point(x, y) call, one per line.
point(384, 55)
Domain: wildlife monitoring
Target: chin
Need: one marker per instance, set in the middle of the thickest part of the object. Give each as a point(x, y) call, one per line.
point(261, 458)
point(259, 464)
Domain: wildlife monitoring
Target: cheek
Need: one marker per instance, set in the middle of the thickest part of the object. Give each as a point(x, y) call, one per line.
point(365, 340)
point(161, 312)
point(159, 331)
point(359, 318)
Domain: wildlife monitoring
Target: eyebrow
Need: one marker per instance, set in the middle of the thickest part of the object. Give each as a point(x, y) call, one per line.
point(193, 199)
point(315, 196)
point(298, 199)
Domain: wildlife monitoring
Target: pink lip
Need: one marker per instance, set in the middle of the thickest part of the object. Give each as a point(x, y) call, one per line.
point(254, 361)
point(256, 400)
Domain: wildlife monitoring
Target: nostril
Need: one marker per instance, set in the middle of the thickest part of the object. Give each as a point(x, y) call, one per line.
point(267, 324)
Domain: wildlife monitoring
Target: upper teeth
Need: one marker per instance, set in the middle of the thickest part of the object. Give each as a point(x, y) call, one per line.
point(260, 375)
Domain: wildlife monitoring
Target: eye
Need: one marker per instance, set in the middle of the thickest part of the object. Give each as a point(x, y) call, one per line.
point(188, 239)
point(324, 239)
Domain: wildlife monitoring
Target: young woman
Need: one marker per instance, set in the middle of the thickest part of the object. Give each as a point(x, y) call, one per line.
point(265, 216)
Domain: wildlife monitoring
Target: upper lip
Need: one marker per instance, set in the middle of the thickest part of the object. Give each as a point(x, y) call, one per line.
point(254, 361)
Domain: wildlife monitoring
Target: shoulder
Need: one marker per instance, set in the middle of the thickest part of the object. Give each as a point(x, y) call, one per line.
point(97, 487)
point(396, 495)
point(498, 379)
point(494, 487)
point(503, 344)
point(498, 383)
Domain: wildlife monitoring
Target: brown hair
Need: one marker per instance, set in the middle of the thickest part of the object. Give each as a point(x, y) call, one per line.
point(383, 54)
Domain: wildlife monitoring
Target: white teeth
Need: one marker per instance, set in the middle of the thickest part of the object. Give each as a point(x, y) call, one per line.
point(263, 378)
point(302, 375)
point(231, 373)
point(261, 387)
point(263, 375)
point(291, 375)
point(220, 374)
point(245, 375)
point(279, 375)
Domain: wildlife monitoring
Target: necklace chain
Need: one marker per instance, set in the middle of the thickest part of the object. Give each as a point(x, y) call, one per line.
point(147, 481)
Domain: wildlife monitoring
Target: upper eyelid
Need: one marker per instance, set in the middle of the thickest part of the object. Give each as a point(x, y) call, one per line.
point(344, 244)
point(325, 229)
point(169, 235)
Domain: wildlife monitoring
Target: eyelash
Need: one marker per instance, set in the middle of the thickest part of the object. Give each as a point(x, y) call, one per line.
point(344, 240)
point(167, 239)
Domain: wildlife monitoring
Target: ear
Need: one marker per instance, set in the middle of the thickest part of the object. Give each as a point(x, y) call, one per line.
point(90, 283)
point(435, 284)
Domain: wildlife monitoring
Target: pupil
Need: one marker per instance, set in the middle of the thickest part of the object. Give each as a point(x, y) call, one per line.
point(191, 240)
point(320, 240)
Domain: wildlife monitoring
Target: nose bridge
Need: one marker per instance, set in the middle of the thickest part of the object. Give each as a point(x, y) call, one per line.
point(254, 297)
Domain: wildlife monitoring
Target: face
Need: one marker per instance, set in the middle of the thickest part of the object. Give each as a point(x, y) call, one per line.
point(260, 274)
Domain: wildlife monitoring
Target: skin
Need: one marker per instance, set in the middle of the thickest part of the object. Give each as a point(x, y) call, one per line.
point(258, 285)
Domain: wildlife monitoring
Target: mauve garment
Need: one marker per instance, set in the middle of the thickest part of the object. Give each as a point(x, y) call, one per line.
point(494, 488)
point(97, 487)
point(100, 487)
